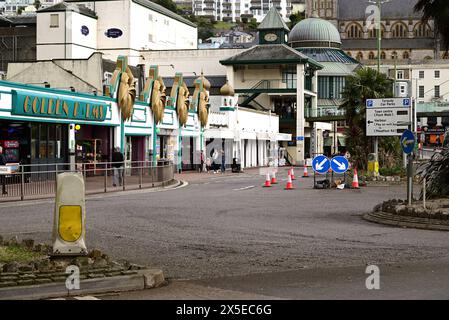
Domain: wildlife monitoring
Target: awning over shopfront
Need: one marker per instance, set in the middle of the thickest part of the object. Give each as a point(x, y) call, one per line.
point(248, 135)
point(218, 134)
point(284, 137)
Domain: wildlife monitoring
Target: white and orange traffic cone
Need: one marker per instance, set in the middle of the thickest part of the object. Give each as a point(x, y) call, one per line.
point(292, 173)
point(267, 181)
point(306, 174)
point(289, 185)
point(355, 180)
point(273, 178)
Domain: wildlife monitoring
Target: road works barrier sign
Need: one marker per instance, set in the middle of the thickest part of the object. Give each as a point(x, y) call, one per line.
point(408, 142)
point(69, 215)
point(339, 164)
point(387, 117)
point(321, 164)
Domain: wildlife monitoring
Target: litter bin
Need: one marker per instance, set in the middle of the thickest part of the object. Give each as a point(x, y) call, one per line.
point(373, 164)
point(236, 166)
point(162, 169)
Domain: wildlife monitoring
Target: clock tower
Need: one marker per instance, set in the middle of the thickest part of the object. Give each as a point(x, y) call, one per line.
point(272, 29)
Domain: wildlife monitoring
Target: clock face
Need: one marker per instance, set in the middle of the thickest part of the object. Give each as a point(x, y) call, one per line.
point(270, 37)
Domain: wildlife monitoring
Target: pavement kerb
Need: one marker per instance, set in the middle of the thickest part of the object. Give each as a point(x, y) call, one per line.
point(144, 279)
point(406, 221)
point(176, 185)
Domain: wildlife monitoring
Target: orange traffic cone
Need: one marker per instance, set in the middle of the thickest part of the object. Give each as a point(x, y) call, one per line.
point(273, 178)
point(289, 185)
point(306, 174)
point(292, 173)
point(355, 180)
point(267, 181)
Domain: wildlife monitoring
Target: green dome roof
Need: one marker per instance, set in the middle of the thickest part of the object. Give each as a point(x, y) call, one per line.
point(314, 32)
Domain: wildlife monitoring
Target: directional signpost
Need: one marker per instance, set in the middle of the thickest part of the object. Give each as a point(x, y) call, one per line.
point(387, 117)
point(339, 164)
point(321, 164)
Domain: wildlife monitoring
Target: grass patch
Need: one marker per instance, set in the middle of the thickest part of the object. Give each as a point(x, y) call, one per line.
point(222, 25)
point(18, 254)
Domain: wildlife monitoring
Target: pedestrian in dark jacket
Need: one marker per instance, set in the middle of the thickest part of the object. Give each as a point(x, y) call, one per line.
point(117, 165)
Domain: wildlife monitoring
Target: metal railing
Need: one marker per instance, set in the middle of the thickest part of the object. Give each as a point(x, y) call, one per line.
point(39, 181)
point(323, 112)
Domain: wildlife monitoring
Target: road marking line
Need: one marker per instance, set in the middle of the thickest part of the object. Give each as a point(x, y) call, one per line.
point(86, 298)
point(244, 188)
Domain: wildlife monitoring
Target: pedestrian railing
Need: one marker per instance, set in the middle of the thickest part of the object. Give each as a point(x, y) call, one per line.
point(39, 181)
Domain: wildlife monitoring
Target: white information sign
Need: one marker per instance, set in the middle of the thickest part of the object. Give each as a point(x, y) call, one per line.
point(387, 117)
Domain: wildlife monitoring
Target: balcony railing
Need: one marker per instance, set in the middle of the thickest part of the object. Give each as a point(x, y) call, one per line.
point(324, 112)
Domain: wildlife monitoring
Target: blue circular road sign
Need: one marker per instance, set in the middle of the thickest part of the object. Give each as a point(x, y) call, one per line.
point(321, 164)
point(408, 141)
point(339, 164)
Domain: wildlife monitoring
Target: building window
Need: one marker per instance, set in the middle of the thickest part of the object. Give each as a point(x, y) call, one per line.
point(400, 74)
point(422, 31)
point(349, 54)
point(289, 78)
point(383, 55)
point(54, 21)
point(399, 30)
point(421, 74)
point(437, 74)
point(372, 33)
point(107, 77)
point(371, 56)
point(405, 55)
point(359, 56)
point(394, 55)
point(421, 92)
point(437, 91)
point(354, 31)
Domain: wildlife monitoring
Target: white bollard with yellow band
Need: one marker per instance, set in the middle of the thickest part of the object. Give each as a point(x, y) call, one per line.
point(69, 217)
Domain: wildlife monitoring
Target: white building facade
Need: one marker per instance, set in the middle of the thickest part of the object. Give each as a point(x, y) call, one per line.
point(235, 10)
point(76, 29)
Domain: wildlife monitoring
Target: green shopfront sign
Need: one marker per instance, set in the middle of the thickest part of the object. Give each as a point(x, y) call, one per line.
point(40, 105)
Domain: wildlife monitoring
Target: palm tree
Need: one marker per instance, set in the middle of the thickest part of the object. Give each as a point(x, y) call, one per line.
point(365, 83)
point(438, 10)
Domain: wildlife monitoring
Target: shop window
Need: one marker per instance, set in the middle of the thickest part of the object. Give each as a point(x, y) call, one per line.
point(43, 141)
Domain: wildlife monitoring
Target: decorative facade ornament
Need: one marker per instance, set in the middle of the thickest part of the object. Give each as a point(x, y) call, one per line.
point(158, 98)
point(227, 90)
point(126, 93)
point(182, 104)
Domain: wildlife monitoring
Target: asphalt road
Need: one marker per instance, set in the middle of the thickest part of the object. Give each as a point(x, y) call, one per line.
point(226, 232)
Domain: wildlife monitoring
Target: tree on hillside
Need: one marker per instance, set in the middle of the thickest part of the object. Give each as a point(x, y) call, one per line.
point(438, 10)
point(168, 4)
point(366, 83)
point(295, 18)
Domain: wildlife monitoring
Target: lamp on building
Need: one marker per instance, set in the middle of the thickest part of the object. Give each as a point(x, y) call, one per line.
point(72, 89)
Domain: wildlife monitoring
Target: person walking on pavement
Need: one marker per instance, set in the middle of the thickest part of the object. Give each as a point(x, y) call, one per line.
point(223, 159)
point(117, 165)
point(2, 176)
